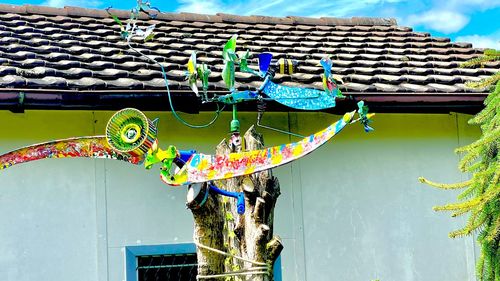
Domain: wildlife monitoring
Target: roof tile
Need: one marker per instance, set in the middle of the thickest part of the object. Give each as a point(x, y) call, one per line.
point(12, 10)
point(87, 83)
point(7, 70)
point(357, 87)
point(415, 87)
point(75, 73)
point(381, 87)
point(442, 88)
point(42, 10)
point(12, 81)
point(78, 48)
point(47, 81)
point(124, 83)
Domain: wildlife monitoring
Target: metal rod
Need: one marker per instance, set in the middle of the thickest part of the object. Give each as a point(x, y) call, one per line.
point(279, 130)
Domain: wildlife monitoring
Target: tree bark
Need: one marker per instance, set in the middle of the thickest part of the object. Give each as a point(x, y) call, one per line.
point(218, 225)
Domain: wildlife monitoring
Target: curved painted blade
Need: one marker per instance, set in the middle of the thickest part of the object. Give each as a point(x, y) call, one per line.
point(299, 98)
point(93, 147)
point(203, 168)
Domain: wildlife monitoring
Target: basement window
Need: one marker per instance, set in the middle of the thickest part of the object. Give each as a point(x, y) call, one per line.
point(168, 262)
point(161, 262)
point(182, 267)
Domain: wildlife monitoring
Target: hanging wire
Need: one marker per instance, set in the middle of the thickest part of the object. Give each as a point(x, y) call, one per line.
point(261, 108)
point(165, 79)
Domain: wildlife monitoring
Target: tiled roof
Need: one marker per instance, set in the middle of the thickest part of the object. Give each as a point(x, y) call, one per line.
point(81, 49)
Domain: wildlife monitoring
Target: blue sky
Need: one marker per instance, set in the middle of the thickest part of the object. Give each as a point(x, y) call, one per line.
point(475, 21)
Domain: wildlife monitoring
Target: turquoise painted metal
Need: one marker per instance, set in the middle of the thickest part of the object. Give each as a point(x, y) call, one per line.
point(299, 98)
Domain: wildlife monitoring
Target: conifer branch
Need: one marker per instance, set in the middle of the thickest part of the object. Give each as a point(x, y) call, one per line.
point(482, 191)
point(488, 56)
point(495, 231)
point(445, 185)
point(483, 83)
point(472, 224)
point(469, 192)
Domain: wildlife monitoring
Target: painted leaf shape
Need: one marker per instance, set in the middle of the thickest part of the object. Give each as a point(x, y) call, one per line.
point(229, 51)
point(191, 65)
point(228, 74)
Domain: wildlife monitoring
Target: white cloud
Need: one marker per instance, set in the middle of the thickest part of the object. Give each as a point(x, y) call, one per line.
point(443, 21)
point(468, 4)
point(77, 3)
point(481, 41)
point(280, 8)
point(200, 7)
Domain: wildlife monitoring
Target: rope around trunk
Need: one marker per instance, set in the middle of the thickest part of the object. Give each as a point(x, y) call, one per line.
point(261, 268)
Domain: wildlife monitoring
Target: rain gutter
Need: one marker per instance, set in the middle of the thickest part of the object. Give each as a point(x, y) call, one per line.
point(18, 100)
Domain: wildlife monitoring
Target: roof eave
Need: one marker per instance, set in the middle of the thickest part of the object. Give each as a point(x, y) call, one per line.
point(17, 100)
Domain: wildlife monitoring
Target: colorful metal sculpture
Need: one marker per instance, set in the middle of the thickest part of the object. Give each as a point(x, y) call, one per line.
point(299, 98)
point(239, 196)
point(329, 84)
point(365, 117)
point(131, 29)
point(294, 97)
point(203, 168)
point(230, 59)
point(198, 196)
point(197, 72)
point(130, 132)
point(92, 147)
point(131, 137)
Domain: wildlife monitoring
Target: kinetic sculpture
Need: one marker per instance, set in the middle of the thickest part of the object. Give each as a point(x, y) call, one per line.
point(132, 137)
point(131, 29)
point(294, 97)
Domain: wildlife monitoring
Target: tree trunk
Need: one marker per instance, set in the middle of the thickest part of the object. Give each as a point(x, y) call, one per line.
point(218, 226)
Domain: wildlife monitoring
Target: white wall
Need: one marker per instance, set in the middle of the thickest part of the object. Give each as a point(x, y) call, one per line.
point(353, 210)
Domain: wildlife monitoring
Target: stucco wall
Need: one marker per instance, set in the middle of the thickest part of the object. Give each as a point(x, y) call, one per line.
point(353, 210)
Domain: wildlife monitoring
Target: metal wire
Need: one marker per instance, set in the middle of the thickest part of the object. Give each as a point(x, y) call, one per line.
point(261, 108)
point(174, 112)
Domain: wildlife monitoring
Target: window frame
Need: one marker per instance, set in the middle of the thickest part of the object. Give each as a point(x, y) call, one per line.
point(132, 252)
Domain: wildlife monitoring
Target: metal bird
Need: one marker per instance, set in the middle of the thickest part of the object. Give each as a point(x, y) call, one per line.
point(329, 84)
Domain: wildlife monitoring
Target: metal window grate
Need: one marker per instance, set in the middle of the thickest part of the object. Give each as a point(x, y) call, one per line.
point(179, 267)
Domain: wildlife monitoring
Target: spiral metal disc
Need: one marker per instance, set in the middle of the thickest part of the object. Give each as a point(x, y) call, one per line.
point(130, 132)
